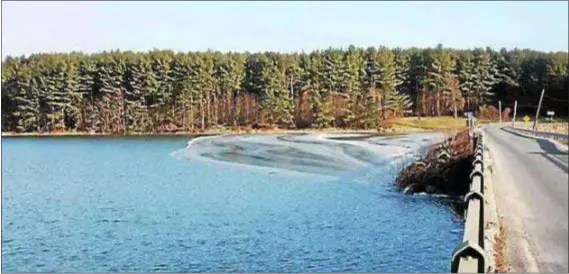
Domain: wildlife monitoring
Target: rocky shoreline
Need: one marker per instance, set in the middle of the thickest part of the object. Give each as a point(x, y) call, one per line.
point(444, 170)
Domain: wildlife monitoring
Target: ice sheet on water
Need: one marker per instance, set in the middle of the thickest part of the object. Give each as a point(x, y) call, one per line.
point(334, 155)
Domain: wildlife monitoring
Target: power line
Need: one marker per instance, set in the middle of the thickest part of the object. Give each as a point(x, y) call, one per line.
point(550, 97)
point(556, 99)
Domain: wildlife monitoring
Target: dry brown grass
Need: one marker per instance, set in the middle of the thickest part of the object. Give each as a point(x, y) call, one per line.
point(500, 249)
point(549, 127)
point(554, 127)
point(438, 123)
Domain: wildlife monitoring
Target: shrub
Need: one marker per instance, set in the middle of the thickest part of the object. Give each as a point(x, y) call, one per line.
point(506, 115)
point(488, 112)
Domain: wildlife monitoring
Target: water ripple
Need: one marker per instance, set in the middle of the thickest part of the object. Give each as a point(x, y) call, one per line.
point(276, 203)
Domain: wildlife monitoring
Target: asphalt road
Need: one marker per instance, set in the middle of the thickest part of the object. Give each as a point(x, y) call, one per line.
point(530, 185)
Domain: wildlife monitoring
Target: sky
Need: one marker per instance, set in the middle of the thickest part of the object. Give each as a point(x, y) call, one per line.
point(32, 27)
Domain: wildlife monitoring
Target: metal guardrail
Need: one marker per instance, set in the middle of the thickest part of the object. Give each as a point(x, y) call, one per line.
point(541, 133)
point(469, 256)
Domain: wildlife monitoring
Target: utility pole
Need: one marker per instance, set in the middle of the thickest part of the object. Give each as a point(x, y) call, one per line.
point(538, 108)
point(500, 110)
point(515, 109)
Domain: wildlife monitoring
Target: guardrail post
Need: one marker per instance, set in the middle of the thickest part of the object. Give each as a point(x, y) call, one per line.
point(468, 248)
point(479, 174)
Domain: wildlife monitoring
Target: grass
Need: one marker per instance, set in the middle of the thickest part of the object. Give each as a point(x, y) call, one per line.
point(557, 127)
point(433, 123)
point(399, 126)
point(548, 127)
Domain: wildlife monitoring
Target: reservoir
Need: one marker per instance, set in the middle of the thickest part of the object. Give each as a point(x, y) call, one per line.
point(258, 203)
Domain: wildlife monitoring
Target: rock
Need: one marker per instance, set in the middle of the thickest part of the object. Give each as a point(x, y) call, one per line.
point(444, 156)
point(410, 189)
point(445, 169)
point(431, 189)
point(419, 164)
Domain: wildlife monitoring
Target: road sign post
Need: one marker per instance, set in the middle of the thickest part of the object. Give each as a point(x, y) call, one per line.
point(469, 119)
point(550, 115)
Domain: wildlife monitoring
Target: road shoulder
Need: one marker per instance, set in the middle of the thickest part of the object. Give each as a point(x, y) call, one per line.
point(491, 222)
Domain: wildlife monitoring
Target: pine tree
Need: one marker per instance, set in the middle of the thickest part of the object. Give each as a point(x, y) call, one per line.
point(466, 79)
point(387, 81)
point(442, 75)
point(120, 92)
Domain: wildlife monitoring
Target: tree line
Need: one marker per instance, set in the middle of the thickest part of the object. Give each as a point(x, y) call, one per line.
point(160, 90)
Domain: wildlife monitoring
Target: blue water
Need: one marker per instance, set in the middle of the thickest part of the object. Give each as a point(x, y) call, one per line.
point(127, 204)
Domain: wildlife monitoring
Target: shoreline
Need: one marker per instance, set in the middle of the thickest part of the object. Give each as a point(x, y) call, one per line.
point(393, 131)
point(400, 126)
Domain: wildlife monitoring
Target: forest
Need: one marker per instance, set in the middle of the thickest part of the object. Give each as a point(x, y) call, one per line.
point(124, 92)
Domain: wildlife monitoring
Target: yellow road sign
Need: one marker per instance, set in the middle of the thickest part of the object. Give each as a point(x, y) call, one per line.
point(526, 119)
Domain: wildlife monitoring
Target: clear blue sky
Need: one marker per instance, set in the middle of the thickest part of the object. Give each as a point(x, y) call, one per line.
point(29, 27)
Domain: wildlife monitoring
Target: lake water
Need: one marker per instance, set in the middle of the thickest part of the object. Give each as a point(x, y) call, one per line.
point(290, 203)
